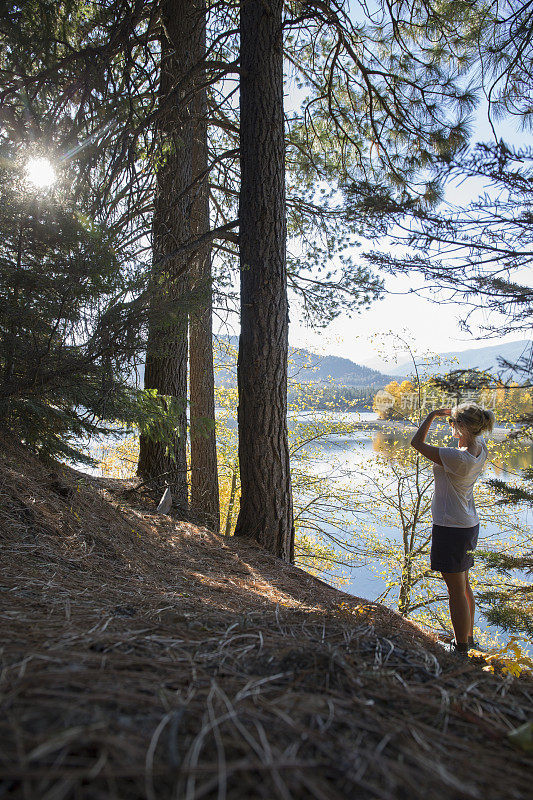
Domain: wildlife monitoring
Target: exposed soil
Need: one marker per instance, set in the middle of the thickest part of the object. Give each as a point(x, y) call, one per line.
point(144, 657)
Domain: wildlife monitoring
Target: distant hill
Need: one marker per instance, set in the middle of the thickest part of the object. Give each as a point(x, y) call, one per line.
point(307, 367)
point(312, 367)
point(483, 358)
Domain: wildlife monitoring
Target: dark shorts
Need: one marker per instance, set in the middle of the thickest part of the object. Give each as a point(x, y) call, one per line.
point(450, 546)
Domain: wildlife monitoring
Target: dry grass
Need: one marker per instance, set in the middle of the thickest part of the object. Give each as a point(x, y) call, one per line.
point(147, 658)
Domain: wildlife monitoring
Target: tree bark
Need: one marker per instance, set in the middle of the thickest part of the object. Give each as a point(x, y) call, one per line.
point(166, 359)
point(266, 499)
point(205, 505)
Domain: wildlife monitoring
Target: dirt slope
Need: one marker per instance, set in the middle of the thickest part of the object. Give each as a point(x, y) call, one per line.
point(146, 658)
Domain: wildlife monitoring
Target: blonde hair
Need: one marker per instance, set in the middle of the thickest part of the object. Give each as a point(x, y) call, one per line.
point(473, 418)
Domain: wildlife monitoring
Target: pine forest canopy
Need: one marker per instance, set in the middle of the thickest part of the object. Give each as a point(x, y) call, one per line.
point(101, 63)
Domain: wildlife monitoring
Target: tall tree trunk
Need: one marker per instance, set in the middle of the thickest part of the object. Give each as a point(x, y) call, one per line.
point(204, 474)
point(166, 358)
point(266, 498)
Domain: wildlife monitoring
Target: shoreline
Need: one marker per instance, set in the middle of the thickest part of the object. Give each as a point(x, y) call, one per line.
point(393, 425)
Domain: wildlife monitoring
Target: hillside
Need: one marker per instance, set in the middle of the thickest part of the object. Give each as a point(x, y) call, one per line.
point(143, 657)
point(305, 366)
point(482, 358)
point(341, 371)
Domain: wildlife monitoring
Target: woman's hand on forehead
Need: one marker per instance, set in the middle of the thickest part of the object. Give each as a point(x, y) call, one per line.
point(443, 412)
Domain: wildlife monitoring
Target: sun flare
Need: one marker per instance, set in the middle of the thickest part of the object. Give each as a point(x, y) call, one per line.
point(40, 173)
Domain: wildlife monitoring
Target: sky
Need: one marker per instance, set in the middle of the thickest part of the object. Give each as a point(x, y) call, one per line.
point(426, 324)
point(375, 334)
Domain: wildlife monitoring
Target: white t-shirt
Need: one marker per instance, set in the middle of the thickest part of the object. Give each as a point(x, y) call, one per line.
point(453, 502)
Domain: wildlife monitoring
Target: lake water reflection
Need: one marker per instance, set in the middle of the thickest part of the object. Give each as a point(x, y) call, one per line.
point(393, 437)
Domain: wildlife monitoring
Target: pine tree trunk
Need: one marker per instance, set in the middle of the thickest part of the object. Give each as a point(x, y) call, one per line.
point(204, 474)
point(166, 359)
point(266, 499)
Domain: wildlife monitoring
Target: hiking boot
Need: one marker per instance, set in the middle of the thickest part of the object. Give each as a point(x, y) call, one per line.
point(460, 650)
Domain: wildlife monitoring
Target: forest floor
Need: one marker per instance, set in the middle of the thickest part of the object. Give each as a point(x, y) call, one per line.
point(144, 657)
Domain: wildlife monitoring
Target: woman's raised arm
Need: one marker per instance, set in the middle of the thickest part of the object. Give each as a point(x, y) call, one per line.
point(418, 440)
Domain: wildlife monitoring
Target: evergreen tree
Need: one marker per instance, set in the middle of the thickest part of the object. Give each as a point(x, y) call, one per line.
point(67, 331)
point(266, 497)
point(462, 383)
point(204, 494)
point(383, 123)
point(478, 253)
point(511, 608)
point(166, 359)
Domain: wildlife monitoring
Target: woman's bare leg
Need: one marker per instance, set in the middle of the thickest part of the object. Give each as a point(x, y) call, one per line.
point(471, 603)
point(459, 605)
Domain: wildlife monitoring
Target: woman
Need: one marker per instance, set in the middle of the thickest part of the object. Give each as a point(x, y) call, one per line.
point(455, 521)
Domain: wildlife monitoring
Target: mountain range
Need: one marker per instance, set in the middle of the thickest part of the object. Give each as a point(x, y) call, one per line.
point(308, 367)
point(482, 358)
